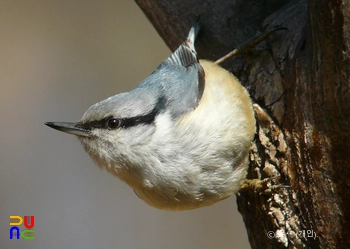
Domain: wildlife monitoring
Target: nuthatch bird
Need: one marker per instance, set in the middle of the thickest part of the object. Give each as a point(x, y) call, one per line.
point(180, 139)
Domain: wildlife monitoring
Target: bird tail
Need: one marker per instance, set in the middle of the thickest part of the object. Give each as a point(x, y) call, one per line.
point(186, 54)
point(192, 35)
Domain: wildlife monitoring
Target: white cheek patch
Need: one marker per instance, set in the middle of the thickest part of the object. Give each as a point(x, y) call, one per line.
point(165, 125)
point(140, 134)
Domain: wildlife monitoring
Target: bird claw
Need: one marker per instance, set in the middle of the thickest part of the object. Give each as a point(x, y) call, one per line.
point(263, 186)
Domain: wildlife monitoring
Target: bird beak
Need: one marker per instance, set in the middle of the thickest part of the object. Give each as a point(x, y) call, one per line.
point(70, 128)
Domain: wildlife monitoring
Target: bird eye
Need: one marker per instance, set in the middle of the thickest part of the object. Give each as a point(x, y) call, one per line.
point(113, 123)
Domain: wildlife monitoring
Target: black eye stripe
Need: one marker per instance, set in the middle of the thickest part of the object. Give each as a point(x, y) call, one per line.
point(101, 124)
point(129, 122)
point(123, 122)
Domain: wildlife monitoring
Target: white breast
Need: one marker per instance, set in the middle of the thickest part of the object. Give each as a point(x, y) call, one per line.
point(202, 158)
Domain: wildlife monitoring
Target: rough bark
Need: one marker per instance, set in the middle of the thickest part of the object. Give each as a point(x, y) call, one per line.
point(299, 79)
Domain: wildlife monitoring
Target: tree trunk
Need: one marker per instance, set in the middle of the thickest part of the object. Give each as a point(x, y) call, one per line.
point(299, 79)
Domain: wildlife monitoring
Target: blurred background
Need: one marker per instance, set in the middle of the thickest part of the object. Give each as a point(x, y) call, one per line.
point(57, 58)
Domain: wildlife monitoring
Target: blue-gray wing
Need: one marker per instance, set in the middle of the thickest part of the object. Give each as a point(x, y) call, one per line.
point(178, 82)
